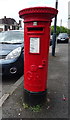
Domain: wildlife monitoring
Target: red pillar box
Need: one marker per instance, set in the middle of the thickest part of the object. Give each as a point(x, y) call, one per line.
point(37, 21)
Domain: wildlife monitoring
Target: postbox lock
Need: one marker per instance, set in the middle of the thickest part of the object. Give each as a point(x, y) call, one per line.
point(44, 62)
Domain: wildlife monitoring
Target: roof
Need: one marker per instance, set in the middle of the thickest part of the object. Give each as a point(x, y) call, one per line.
point(8, 21)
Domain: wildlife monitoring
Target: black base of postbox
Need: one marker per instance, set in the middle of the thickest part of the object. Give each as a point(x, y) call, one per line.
point(35, 98)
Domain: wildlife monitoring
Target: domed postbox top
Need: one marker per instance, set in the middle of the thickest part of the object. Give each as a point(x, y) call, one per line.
point(48, 12)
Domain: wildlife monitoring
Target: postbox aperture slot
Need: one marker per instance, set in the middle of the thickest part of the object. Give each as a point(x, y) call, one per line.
point(32, 29)
point(35, 45)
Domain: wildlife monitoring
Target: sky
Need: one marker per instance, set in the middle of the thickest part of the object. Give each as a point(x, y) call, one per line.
point(10, 9)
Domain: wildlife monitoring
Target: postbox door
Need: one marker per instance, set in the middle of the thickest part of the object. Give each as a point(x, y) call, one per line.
point(36, 65)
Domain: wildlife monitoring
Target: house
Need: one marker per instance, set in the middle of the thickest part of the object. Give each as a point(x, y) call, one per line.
point(9, 24)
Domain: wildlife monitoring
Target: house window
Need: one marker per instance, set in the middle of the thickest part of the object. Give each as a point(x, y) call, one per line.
point(5, 28)
point(13, 27)
point(10, 27)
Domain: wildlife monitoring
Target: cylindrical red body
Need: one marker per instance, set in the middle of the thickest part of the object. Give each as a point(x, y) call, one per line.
point(37, 21)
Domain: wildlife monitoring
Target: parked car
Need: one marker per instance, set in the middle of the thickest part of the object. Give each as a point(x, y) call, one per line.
point(63, 38)
point(11, 52)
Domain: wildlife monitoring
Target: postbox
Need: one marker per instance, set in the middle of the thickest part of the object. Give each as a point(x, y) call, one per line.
point(37, 21)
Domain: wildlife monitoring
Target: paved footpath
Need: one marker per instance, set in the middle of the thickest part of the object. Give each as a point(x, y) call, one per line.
point(56, 105)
